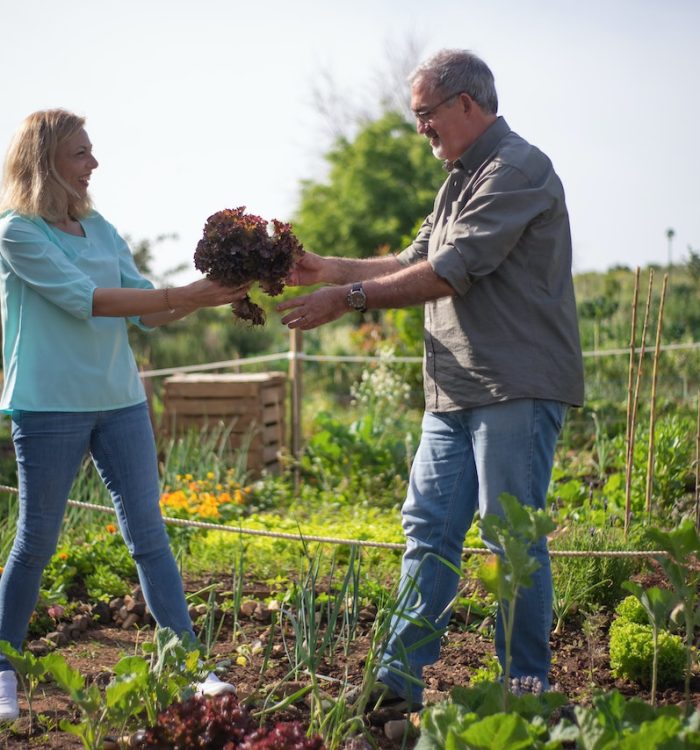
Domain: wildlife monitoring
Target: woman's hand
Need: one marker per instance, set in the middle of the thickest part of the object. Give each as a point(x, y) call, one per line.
point(205, 293)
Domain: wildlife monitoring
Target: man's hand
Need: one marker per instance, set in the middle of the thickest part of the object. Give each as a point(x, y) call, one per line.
point(307, 270)
point(312, 310)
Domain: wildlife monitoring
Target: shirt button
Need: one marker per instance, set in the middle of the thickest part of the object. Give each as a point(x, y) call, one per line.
point(430, 354)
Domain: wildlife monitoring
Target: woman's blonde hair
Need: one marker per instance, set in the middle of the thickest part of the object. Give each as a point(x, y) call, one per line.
point(31, 185)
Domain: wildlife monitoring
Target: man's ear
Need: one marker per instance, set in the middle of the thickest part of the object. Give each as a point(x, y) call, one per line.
point(466, 102)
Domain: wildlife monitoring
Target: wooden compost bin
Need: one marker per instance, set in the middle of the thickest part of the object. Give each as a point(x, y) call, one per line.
point(251, 406)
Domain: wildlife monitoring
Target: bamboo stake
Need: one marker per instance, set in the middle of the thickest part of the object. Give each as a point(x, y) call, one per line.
point(296, 349)
point(697, 470)
point(630, 391)
point(652, 406)
point(635, 398)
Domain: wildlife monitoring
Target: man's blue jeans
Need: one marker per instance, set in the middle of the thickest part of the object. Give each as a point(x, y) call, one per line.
point(465, 460)
point(50, 447)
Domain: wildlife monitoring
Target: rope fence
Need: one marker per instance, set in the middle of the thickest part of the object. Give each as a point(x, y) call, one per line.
point(300, 537)
point(299, 355)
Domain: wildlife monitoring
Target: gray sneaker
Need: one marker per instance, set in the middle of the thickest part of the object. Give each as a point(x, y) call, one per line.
point(212, 685)
point(9, 710)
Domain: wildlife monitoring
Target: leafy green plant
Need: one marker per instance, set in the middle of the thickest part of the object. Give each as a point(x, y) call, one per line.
point(139, 686)
point(682, 546)
point(29, 669)
point(564, 600)
point(504, 576)
point(97, 561)
point(595, 579)
point(474, 718)
point(613, 722)
point(657, 604)
point(633, 649)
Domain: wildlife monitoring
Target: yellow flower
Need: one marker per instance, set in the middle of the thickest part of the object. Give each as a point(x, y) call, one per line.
point(241, 660)
point(210, 475)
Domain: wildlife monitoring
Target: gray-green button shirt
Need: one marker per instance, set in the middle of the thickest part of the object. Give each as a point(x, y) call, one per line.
point(499, 234)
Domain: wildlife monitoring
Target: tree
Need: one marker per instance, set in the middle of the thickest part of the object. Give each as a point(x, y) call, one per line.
point(380, 183)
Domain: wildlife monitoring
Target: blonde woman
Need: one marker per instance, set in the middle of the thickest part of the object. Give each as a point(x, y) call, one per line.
point(68, 288)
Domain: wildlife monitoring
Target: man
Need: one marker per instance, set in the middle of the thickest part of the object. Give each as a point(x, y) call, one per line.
point(492, 263)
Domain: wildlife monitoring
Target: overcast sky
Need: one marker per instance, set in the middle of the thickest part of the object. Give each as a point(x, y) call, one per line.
point(197, 106)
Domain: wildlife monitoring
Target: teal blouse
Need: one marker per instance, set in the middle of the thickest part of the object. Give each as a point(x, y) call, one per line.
point(56, 355)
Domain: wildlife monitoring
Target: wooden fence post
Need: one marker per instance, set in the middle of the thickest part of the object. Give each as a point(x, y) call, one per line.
point(296, 349)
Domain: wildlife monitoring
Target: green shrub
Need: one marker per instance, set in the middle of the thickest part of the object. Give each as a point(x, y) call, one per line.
point(630, 609)
point(577, 573)
point(632, 653)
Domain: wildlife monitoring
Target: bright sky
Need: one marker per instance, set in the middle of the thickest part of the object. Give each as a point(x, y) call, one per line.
point(195, 106)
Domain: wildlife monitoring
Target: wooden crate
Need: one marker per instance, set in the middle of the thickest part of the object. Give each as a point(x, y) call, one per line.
point(251, 407)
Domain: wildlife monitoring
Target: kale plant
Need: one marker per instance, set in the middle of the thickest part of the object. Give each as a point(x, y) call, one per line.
point(238, 248)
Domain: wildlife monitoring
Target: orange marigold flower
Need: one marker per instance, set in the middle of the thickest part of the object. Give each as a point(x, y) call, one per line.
point(111, 528)
point(63, 555)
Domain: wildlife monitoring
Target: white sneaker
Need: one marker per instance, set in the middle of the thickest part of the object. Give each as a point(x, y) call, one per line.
point(212, 685)
point(9, 710)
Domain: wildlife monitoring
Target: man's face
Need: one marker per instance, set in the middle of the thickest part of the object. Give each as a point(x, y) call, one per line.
point(443, 121)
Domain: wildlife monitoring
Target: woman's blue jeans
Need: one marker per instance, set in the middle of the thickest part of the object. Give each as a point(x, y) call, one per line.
point(466, 459)
point(50, 447)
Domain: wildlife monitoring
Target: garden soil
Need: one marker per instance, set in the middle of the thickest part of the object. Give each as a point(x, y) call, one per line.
point(580, 667)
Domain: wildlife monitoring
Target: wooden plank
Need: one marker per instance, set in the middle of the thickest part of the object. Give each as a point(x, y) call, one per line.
point(222, 407)
point(230, 377)
point(272, 416)
point(212, 386)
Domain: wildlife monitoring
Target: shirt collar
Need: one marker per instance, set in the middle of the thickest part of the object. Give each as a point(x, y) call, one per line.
point(477, 153)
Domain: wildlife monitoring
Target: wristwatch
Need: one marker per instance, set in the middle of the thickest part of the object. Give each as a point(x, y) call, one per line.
point(357, 299)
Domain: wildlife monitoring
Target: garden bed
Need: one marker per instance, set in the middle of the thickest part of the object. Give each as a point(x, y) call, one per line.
point(580, 667)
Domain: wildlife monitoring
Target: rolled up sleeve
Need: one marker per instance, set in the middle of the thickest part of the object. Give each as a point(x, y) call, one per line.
point(488, 226)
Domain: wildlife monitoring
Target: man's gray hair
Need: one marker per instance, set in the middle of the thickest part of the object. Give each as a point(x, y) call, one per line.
point(451, 71)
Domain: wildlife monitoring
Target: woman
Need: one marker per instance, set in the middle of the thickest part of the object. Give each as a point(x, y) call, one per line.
point(67, 284)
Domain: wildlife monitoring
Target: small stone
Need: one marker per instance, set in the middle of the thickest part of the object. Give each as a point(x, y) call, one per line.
point(262, 613)
point(486, 624)
point(357, 743)
point(81, 622)
point(57, 638)
point(248, 607)
point(130, 621)
point(395, 729)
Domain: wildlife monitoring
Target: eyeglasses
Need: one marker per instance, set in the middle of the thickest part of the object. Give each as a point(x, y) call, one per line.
point(426, 115)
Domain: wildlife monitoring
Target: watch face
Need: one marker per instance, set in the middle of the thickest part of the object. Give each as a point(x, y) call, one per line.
point(358, 299)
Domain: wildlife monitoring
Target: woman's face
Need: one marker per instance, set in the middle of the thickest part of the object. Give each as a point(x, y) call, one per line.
point(75, 162)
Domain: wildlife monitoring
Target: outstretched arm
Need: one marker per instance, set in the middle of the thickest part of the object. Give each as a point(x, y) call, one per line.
point(156, 307)
point(314, 269)
point(409, 286)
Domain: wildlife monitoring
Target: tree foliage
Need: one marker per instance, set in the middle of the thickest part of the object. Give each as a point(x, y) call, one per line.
point(379, 184)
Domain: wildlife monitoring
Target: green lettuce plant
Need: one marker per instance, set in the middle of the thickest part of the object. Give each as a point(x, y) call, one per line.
point(657, 604)
point(682, 548)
